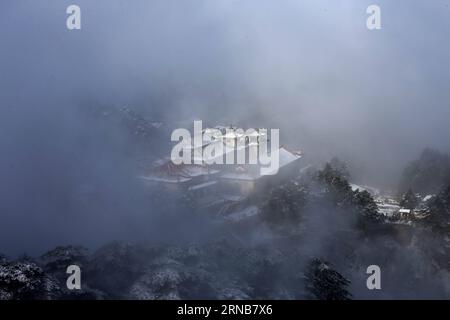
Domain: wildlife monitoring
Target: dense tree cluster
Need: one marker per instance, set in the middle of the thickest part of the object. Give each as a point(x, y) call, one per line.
point(440, 211)
point(337, 188)
point(284, 203)
point(287, 203)
point(218, 270)
point(334, 184)
point(409, 200)
point(340, 167)
point(25, 280)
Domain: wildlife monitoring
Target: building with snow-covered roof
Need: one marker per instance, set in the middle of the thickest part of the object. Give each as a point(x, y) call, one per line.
point(206, 179)
point(247, 179)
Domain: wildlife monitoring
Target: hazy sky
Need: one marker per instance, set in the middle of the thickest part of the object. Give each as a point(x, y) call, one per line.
point(310, 68)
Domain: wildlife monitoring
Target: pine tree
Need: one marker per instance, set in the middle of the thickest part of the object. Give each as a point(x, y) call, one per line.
point(427, 174)
point(440, 211)
point(335, 184)
point(409, 200)
point(340, 167)
point(358, 203)
point(325, 283)
point(284, 203)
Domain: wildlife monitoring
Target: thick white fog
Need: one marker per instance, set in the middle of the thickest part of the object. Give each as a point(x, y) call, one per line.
point(310, 68)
